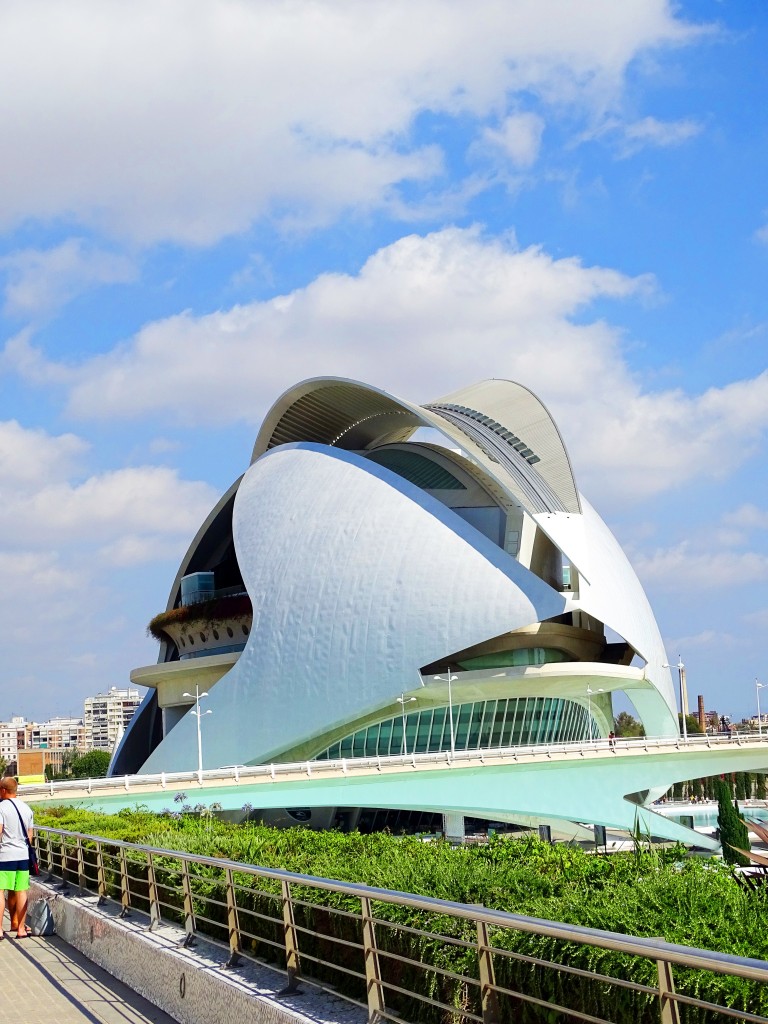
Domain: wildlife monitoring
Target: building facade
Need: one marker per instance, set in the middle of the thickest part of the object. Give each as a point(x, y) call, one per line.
point(57, 734)
point(394, 578)
point(107, 715)
point(12, 738)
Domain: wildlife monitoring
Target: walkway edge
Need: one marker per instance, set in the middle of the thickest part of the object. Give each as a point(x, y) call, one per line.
point(192, 985)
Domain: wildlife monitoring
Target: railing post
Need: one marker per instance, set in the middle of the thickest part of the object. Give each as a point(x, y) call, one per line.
point(373, 981)
point(290, 938)
point(154, 900)
point(101, 874)
point(81, 879)
point(670, 1011)
point(63, 858)
point(125, 888)
point(189, 909)
point(233, 925)
point(48, 852)
point(489, 997)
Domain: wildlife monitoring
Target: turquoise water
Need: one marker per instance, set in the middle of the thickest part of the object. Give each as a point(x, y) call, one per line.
point(705, 815)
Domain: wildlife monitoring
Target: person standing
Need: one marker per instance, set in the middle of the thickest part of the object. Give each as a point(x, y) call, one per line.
point(16, 824)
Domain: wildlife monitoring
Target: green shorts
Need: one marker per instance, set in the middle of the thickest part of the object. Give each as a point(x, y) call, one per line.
point(14, 881)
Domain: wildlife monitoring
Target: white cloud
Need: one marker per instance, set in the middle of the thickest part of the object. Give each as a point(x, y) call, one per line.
point(41, 280)
point(706, 639)
point(684, 569)
point(518, 138)
point(156, 122)
point(649, 131)
point(43, 505)
point(632, 136)
point(34, 457)
point(431, 312)
point(150, 501)
point(62, 539)
point(435, 312)
point(20, 356)
point(748, 517)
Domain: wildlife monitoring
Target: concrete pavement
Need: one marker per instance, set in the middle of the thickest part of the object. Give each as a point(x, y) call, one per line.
point(46, 981)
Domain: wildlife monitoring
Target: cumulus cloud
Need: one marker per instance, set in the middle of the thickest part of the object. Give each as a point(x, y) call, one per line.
point(29, 458)
point(41, 280)
point(157, 123)
point(43, 504)
point(425, 311)
point(60, 538)
point(433, 313)
point(150, 502)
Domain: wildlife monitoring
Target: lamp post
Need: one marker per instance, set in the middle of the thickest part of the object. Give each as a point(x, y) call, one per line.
point(758, 688)
point(590, 691)
point(683, 694)
point(402, 700)
point(198, 714)
point(450, 677)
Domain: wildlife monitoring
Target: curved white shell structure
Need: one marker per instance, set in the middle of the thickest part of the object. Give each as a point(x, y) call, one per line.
point(354, 569)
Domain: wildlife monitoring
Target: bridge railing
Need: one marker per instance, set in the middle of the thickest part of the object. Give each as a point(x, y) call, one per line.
point(271, 772)
point(406, 957)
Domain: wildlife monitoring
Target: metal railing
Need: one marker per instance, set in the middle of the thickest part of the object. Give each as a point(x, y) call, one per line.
point(441, 961)
point(315, 769)
point(203, 596)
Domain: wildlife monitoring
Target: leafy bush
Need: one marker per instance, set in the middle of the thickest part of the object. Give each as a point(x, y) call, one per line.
point(651, 892)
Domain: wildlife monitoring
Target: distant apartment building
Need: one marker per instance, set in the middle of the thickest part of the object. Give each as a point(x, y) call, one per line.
point(57, 734)
point(107, 715)
point(12, 738)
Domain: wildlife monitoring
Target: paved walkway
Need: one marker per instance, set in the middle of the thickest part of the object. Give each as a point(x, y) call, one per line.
point(45, 981)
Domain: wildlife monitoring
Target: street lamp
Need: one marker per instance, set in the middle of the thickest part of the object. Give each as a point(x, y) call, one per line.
point(590, 691)
point(683, 694)
point(758, 688)
point(402, 700)
point(449, 680)
point(198, 713)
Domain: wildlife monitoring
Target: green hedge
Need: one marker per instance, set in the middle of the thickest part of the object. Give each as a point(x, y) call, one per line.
point(650, 892)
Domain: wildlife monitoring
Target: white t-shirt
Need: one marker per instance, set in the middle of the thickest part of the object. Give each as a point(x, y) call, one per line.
point(13, 842)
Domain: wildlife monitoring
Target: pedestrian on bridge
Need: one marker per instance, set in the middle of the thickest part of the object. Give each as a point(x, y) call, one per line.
point(15, 836)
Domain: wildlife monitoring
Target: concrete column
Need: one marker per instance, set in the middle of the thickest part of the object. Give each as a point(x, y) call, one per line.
point(453, 827)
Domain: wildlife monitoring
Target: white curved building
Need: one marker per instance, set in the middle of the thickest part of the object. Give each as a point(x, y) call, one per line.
point(373, 551)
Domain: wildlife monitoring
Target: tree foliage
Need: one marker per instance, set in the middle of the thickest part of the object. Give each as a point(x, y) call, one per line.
point(734, 834)
point(91, 765)
point(627, 725)
point(650, 892)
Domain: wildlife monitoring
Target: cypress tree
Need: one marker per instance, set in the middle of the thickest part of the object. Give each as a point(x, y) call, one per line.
point(733, 830)
point(760, 786)
point(741, 786)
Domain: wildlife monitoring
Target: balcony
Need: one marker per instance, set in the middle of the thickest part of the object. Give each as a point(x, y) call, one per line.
point(219, 623)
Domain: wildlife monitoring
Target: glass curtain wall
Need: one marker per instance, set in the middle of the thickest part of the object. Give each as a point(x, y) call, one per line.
point(481, 725)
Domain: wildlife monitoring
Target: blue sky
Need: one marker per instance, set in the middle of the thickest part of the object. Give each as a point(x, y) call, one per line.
point(204, 204)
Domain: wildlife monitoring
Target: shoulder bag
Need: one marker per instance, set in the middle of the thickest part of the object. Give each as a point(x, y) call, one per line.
point(34, 867)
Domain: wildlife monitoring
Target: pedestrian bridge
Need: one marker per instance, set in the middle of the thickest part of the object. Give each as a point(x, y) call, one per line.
point(600, 782)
